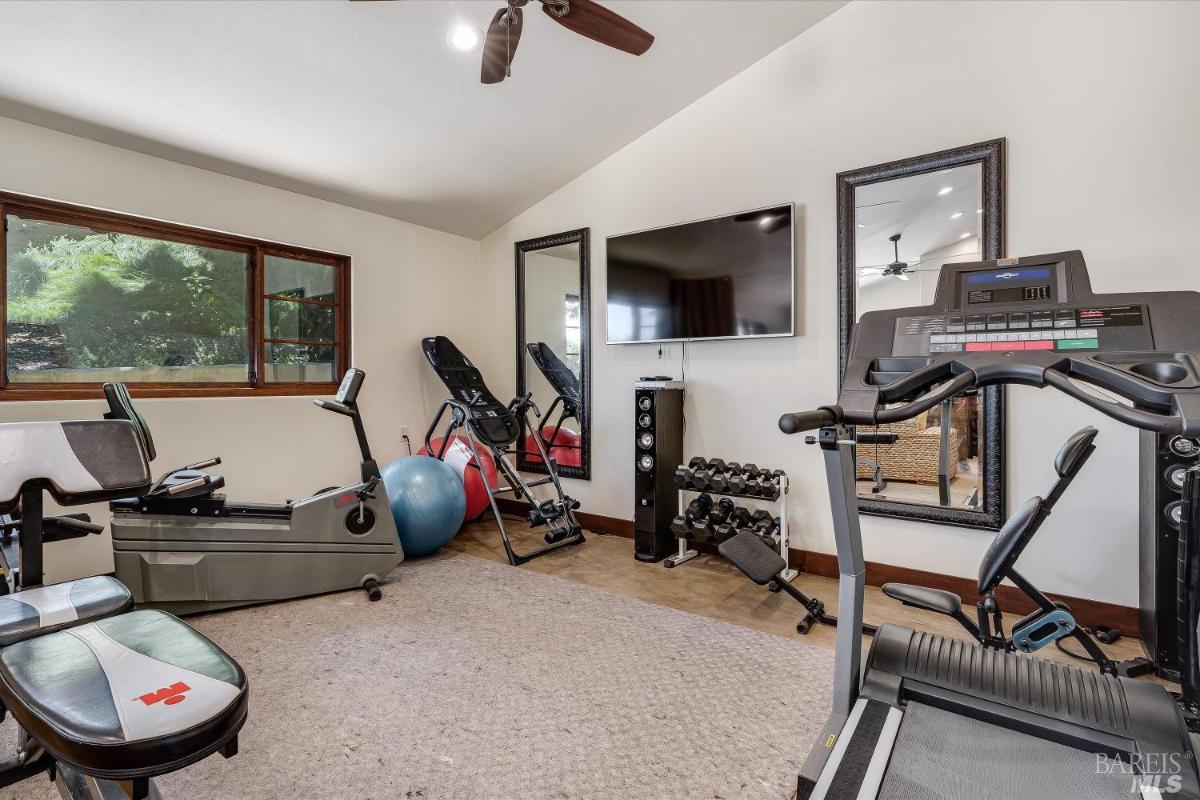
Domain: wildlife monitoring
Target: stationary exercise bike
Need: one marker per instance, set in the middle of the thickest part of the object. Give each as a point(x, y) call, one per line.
point(183, 547)
point(1052, 621)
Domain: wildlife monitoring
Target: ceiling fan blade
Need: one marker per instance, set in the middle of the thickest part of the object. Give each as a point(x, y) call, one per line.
point(590, 19)
point(500, 45)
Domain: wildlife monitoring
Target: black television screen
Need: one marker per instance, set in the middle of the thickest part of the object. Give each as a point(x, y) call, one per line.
point(718, 278)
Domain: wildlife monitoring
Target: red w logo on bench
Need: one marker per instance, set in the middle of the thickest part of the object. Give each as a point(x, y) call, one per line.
point(169, 696)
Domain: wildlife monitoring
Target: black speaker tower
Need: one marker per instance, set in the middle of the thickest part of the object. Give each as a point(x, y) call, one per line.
point(1162, 561)
point(658, 450)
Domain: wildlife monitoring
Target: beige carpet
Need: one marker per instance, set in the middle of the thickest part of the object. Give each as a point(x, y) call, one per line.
point(475, 680)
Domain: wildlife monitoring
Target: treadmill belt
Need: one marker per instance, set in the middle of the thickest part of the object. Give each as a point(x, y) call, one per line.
point(944, 756)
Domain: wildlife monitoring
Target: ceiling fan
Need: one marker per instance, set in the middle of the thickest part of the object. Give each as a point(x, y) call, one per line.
point(585, 17)
point(898, 269)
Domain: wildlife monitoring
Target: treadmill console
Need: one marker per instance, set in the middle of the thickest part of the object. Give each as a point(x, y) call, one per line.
point(1019, 304)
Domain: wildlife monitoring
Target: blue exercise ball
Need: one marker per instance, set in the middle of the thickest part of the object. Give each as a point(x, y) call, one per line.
point(427, 500)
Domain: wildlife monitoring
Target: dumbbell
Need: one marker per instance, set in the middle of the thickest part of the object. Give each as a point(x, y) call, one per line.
point(766, 526)
point(759, 516)
point(717, 465)
point(704, 528)
point(682, 524)
point(698, 463)
point(702, 479)
point(683, 478)
point(754, 487)
point(738, 518)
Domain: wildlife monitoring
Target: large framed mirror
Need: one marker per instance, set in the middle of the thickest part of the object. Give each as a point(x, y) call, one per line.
point(898, 223)
point(554, 349)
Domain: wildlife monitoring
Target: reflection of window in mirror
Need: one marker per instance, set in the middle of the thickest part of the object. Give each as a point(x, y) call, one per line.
point(571, 330)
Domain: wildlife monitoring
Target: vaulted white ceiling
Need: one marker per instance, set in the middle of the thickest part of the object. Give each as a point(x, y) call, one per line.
point(364, 103)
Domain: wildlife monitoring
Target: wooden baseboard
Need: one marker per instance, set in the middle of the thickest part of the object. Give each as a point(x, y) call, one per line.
point(1087, 612)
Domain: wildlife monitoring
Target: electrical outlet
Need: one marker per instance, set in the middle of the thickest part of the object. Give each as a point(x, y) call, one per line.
point(403, 431)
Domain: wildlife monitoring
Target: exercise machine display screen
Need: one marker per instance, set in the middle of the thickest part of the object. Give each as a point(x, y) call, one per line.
point(1007, 286)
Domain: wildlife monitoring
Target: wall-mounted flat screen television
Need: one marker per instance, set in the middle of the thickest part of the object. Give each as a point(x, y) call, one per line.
point(721, 278)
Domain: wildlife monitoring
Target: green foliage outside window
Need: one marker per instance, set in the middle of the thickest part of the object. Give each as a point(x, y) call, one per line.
point(105, 300)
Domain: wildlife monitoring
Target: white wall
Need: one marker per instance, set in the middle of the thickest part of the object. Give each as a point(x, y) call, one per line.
point(407, 282)
point(1100, 104)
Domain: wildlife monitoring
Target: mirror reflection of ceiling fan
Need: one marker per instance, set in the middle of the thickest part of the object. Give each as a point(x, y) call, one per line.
point(896, 269)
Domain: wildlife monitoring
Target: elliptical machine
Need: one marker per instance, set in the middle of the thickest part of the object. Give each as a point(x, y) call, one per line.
point(183, 547)
point(1052, 621)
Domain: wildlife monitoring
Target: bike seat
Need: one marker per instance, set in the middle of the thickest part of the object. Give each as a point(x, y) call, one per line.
point(754, 557)
point(942, 602)
point(1006, 548)
point(45, 609)
point(1073, 450)
point(131, 696)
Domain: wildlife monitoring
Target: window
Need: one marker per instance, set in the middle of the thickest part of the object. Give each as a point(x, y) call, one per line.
point(92, 297)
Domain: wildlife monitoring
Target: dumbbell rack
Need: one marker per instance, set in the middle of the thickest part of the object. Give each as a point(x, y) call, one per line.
point(687, 554)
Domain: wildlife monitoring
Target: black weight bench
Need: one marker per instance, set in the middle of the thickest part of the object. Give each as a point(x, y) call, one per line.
point(498, 427)
point(759, 561)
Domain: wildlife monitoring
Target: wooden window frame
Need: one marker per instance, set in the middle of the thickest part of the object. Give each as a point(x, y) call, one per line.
point(257, 250)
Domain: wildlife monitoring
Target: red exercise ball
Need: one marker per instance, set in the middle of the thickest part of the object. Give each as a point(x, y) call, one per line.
point(477, 496)
point(565, 449)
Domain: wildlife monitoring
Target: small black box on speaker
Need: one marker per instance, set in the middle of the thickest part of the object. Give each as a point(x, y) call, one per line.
point(658, 450)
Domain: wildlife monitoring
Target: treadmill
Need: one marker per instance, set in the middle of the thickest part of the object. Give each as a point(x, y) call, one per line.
point(936, 718)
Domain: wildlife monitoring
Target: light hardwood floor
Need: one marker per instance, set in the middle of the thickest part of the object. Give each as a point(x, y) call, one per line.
point(710, 586)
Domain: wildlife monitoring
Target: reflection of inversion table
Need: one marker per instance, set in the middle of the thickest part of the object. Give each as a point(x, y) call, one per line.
point(498, 427)
point(565, 382)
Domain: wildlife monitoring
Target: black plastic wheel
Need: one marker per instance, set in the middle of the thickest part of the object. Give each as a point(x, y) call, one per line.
point(802, 626)
point(374, 590)
point(360, 526)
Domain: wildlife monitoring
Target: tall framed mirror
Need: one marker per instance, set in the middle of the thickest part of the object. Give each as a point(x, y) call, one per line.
point(554, 349)
point(898, 223)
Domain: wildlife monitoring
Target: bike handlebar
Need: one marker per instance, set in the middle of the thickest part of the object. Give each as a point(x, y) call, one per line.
point(1164, 423)
point(799, 421)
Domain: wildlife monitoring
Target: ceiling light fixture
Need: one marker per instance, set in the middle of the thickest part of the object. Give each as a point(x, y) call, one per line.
point(464, 38)
point(964, 236)
point(956, 215)
point(945, 190)
point(979, 211)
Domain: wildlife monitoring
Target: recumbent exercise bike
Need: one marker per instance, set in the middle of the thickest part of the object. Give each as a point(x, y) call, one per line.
point(183, 547)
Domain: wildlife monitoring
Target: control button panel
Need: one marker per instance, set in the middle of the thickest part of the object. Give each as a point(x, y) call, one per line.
point(1022, 340)
point(1060, 329)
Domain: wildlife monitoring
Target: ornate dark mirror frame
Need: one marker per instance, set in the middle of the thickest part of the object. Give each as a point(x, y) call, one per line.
point(581, 236)
point(991, 156)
